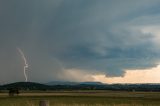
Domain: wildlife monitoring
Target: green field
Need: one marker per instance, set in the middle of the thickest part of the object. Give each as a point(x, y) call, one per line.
point(83, 98)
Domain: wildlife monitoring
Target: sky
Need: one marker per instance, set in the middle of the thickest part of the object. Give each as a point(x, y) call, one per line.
point(111, 41)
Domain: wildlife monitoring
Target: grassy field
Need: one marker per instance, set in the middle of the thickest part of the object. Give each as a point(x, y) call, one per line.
point(83, 98)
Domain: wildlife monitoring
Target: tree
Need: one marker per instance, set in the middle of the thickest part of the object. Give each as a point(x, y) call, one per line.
point(13, 92)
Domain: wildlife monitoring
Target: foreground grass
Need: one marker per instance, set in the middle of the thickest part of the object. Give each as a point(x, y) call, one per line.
point(84, 99)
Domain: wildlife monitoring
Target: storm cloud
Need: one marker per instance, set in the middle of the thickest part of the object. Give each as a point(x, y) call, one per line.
point(106, 36)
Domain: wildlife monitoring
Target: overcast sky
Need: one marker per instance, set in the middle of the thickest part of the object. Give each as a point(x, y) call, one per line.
point(73, 40)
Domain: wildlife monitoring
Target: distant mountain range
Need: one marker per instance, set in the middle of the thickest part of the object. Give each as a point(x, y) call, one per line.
point(56, 85)
point(73, 83)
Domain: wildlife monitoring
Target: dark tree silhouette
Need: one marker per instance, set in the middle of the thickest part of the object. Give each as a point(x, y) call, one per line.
point(13, 92)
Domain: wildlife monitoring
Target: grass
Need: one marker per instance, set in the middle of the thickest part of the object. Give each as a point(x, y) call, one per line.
point(85, 98)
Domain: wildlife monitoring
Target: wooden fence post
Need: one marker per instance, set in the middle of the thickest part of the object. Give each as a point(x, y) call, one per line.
point(44, 103)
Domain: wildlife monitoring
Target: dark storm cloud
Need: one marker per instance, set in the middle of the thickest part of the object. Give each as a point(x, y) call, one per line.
point(56, 35)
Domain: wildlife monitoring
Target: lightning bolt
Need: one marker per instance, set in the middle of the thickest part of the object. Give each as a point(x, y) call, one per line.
point(25, 63)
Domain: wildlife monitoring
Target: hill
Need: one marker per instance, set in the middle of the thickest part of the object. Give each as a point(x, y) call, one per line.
point(72, 83)
point(61, 83)
point(81, 86)
point(25, 86)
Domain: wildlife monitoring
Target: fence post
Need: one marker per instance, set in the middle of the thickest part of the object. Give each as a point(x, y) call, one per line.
point(44, 103)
